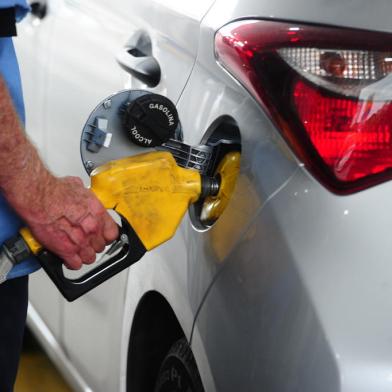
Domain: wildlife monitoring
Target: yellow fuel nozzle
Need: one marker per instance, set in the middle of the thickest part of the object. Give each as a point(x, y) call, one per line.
point(150, 191)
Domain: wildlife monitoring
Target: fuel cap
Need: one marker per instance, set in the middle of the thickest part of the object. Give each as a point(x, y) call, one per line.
point(150, 120)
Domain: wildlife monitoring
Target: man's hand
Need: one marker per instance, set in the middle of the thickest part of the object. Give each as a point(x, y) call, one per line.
point(71, 223)
point(62, 214)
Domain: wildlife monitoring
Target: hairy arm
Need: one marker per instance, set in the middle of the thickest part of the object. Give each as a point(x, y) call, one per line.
point(62, 214)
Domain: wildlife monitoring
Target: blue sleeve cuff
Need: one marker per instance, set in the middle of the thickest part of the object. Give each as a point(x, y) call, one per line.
point(21, 7)
point(24, 268)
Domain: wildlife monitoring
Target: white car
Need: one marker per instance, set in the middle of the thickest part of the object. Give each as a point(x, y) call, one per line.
point(290, 289)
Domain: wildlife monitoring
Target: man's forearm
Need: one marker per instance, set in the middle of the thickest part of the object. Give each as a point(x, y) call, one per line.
point(20, 165)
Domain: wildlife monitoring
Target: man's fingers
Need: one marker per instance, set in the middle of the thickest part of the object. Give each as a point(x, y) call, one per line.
point(97, 243)
point(90, 224)
point(110, 229)
point(77, 236)
point(73, 262)
point(101, 230)
point(87, 254)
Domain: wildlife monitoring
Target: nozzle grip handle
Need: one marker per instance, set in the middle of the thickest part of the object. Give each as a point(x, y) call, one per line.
point(72, 289)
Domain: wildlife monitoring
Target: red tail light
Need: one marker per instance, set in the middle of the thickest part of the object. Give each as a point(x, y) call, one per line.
point(328, 89)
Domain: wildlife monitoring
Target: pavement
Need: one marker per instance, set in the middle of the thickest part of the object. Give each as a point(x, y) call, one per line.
point(36, 372)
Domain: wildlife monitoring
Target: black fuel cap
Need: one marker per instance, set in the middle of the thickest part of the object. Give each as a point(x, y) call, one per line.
point(150, 120)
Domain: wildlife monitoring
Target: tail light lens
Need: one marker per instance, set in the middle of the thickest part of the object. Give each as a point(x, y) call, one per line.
point(329, 91)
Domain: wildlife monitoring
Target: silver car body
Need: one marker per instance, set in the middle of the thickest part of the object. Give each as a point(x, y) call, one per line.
point(291, 289)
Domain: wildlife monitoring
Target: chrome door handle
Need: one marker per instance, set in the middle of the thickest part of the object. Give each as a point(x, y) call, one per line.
point(139, 65)
point(39, 9)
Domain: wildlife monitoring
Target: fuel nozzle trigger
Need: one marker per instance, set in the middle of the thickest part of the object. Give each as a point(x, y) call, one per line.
point(125, 251)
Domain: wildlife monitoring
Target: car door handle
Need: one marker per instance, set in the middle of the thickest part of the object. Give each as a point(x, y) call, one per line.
point(141, 66)
point(38, 9)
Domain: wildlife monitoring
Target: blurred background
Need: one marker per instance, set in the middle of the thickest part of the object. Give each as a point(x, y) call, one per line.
point(36, 371)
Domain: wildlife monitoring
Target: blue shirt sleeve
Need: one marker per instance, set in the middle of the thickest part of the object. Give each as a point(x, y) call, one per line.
point(21, 7)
